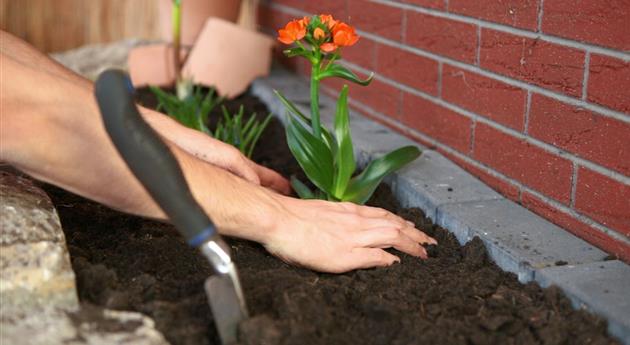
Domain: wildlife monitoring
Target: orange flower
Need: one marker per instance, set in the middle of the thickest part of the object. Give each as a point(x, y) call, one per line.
point(328, 47)
point(305, 20)
point(328, 20)
point(295, 30)
point(318, 34)
point(344, 35)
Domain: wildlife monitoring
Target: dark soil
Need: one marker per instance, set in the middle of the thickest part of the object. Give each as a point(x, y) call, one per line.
point(457, 296)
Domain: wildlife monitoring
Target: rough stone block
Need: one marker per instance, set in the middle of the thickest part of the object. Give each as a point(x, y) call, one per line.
point(36, 275)
point(599, 286)
point(34, 261)
point(91, 326)
point(518, 240)
point(27, 213)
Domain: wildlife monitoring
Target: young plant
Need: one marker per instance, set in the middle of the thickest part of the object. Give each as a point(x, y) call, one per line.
point(327, 157)
point(244, 135)
point(193, 112)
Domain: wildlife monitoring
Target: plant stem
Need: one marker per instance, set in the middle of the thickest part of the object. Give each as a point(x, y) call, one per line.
point(315, 99)
point(177, 18)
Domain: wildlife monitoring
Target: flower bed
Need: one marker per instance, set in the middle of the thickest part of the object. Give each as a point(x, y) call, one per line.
point(455, 297)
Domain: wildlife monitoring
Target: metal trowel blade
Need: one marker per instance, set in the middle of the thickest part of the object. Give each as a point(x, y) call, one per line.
point(227, 303)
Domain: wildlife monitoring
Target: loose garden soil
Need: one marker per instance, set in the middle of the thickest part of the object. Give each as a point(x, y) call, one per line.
point(457, 296)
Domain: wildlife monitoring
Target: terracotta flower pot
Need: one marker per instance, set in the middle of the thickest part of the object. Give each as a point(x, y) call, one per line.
point(194, 15)
point(228, 57)
point(153, 65)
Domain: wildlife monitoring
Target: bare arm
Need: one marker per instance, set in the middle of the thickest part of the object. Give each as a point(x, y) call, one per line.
point(198, 144)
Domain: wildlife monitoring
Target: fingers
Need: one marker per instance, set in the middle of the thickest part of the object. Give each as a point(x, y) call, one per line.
point(378, 217)
point(374, 212)
point(271, 179)
point(237, 164)
point(370, 257)
point(418, 235)
point(391, 237)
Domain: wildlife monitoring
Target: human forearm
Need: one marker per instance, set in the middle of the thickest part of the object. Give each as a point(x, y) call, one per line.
point(196, 143)
point(50, 129)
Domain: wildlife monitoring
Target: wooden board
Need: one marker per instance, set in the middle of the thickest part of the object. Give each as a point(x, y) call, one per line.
point(57, 25)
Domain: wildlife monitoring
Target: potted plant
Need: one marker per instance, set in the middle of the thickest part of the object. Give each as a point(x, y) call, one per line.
point(213, 61)
point(327, 157)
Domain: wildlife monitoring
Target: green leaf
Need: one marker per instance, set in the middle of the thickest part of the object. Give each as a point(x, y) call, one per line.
point(336, 70)
point(296, 51)
point(259, 128)
point(326, 136)
point(363, 185)
point(344, 160)
point(312, 154)
point(301, 189)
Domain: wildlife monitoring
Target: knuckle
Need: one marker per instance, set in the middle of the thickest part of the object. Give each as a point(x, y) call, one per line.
point(393, 232)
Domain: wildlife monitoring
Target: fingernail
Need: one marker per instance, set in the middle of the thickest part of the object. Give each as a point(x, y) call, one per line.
point(411, 224)
point(423, 255)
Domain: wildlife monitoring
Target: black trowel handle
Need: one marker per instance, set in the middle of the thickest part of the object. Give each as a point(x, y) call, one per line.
point(149, 158)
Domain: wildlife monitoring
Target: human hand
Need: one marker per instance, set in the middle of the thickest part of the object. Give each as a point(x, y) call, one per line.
point(216, 152)
point(340, 237)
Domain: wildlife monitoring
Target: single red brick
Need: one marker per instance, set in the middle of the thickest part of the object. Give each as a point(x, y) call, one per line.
point(517, 13)
point(335, 7)
point(298, 4)
point(503, 186)
point(436, 4)
point(379, 19)
point(413, 70)
point(542, 63)
point(442, 124)
point(603, 199)
point(488, 97)
point(272, 19)
point(442, 36)
point(609, 82)
point(363, 53)
point(600, 22)
point(379, 96)
point(589, 135)
point(576, 227)
point(534, 167)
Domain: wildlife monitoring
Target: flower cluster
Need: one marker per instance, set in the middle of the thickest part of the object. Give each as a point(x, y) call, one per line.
point(321, 31)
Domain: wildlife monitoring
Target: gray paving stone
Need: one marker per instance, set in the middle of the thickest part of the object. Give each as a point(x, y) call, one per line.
point(603, 287)
point(432, 181)
point(518, 240)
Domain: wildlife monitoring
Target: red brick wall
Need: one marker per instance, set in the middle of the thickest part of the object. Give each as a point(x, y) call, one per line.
point(531, 96)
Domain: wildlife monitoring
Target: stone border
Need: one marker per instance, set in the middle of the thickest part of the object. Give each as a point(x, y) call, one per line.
point(518, 240)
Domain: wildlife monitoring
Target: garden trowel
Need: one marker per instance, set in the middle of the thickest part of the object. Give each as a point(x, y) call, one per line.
point(156, 168)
